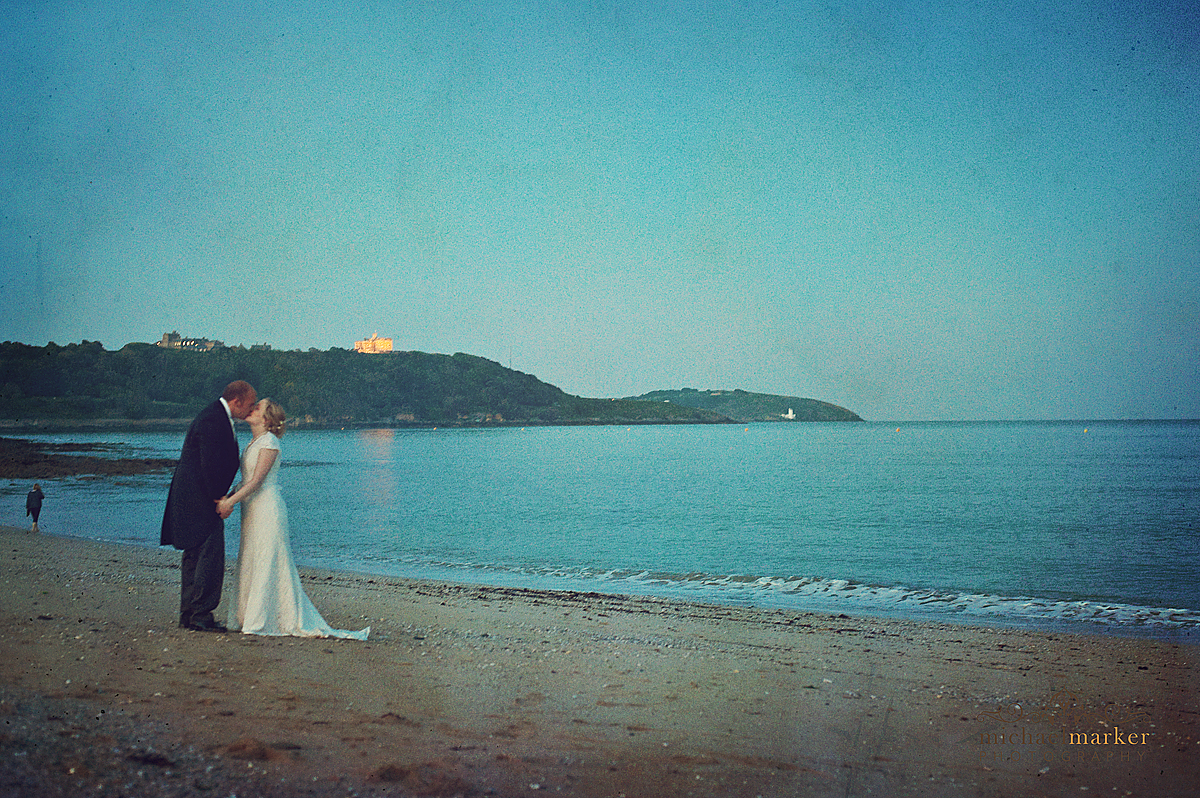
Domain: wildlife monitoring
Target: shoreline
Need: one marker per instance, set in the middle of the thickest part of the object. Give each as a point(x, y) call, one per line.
point(1184, 634)
point(66, 426)
point(478, 690)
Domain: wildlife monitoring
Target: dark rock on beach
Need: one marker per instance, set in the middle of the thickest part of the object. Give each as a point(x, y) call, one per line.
point(24, 459)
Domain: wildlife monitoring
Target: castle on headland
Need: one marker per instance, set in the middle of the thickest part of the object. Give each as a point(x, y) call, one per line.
point(173, 340)
point(373, 345)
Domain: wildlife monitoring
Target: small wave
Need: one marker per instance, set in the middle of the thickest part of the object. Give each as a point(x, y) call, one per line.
point(844, 595)
point(812, 594)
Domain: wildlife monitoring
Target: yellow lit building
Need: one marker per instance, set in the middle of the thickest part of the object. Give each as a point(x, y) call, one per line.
point(374, 344)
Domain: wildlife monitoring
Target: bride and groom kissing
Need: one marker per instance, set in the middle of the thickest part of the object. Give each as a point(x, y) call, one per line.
point(268, 599)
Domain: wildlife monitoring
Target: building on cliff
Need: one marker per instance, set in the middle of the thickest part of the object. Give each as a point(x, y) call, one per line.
point(173, 340)
point(373, 345)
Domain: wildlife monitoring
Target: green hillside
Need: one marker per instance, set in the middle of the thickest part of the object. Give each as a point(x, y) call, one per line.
point(745, 406)
point(336, 387)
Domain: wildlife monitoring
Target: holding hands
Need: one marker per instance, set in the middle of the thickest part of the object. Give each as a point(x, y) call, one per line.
point(225, 506)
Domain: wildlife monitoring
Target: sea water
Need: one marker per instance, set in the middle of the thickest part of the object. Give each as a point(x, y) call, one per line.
point(1055, 524)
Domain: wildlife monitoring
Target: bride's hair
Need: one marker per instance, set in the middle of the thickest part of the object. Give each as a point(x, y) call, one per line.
point(274, 417)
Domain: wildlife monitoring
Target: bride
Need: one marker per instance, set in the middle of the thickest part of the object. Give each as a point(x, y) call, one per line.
point(269, 599)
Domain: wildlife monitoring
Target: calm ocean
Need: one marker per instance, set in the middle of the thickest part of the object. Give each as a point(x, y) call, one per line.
point(1058, 524)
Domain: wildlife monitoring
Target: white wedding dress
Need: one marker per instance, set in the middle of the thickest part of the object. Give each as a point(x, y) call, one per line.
point(269, 599)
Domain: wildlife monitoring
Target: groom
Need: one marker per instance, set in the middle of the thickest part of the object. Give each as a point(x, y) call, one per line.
point(207, 465)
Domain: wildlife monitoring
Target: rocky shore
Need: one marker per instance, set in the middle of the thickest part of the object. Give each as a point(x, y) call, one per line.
point(25, 459)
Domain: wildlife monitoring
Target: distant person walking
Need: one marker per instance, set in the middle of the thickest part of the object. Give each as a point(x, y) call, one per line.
point(207, 465)
point(33, 505)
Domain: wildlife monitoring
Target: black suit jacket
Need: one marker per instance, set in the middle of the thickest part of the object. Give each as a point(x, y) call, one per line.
point(207, 465)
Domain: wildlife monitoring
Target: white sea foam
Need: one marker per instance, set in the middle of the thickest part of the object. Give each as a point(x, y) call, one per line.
point(827, 595)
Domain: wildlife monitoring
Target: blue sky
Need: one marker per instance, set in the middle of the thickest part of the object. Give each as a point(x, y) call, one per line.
point(917, 211)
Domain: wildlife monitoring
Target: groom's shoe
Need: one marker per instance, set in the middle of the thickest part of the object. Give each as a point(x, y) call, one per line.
point(205, 625)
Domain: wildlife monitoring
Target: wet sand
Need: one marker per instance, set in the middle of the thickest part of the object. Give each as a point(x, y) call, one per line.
point(468, 690)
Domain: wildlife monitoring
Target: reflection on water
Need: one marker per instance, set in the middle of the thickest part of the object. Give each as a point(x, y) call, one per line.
point(376, 443)
point(378, 480)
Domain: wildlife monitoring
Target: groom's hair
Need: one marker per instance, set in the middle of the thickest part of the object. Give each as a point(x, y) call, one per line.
point(238, 389)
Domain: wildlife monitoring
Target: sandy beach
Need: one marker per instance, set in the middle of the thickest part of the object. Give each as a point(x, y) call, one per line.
point(469, 690)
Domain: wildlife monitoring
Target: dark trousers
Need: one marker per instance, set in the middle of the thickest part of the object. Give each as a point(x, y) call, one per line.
point(202, 572)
